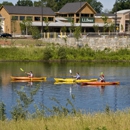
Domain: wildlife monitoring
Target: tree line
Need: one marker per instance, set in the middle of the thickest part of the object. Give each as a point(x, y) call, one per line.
point(56, 5)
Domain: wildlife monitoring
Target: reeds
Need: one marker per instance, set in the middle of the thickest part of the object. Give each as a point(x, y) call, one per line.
point(97, 121)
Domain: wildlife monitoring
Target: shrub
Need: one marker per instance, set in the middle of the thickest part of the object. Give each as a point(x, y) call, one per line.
point(47, 54)
point(62, 53)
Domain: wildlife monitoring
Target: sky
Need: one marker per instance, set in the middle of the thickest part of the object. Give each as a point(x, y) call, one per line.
point(107, 4)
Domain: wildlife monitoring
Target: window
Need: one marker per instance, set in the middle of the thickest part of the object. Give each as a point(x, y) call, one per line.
point(36, 18)
point(29, 18)
point(44, 19)
point(22, 18)
point(77, 15)
point(14, 17)
point(91, 15)
point(50, 18)
point(71, 15)
point(63, 15)
point(127, 25)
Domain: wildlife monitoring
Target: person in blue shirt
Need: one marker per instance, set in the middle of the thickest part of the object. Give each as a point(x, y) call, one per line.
point(77, 76)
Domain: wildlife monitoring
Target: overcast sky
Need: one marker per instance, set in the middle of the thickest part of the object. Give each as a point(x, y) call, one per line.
point(107, 4)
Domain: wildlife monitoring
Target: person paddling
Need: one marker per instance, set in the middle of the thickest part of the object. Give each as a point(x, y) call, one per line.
point(102, 77)
point(77, 76)
point(30, 74)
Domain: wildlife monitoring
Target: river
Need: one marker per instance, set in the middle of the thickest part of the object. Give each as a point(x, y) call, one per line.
point(87, 98)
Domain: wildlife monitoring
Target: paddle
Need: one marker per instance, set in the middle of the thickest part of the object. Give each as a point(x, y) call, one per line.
point(21, 69)
point(70, 72)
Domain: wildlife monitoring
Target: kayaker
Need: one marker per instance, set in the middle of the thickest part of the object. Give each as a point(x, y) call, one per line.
point(77, 76)
point(30, 74)
point(101, 77)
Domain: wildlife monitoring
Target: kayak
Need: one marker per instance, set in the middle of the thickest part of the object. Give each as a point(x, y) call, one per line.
point(64, 82)
point(28, 78)
point(73, 80)
point(100, 83)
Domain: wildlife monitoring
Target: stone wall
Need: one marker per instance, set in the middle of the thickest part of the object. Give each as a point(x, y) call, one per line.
point(99, 43)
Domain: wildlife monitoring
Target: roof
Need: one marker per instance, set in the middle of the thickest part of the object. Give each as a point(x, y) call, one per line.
point(67, 24)
point(73, 7)
point(28, 10)
point(123, 11)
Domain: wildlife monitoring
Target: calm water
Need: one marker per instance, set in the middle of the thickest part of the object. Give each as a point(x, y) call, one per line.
point(88, 98)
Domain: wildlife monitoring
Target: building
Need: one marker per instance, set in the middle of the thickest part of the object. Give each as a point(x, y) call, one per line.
point(13, 15)
point(81, 13)
point(123, 20)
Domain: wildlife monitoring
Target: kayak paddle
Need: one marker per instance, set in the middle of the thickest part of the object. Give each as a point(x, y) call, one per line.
point(70, 72)
point(21, 69)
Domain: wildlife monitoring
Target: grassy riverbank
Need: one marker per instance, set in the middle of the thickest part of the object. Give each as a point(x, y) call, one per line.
point(98, 121)
point(36, 50)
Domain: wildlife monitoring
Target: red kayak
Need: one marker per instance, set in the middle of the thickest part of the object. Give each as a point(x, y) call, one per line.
point(100, 83)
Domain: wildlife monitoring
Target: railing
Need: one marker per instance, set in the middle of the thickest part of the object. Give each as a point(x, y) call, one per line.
point(84, 35)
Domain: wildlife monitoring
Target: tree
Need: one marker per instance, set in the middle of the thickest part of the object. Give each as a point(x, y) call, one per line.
point(111, 27)
point(13, 24)
point(35, 32)
point(25, 26)
point(120, 5)
point(52, 4)
point(37, 3)
point(47, 24)
point(97, 6)
point(96, 27)
point(77, 32)
point(72, 27)
point(24, 3)
point(105, 18)
point(6, 3)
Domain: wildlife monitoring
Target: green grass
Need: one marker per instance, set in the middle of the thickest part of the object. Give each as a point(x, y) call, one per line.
point(97, 121)
point(35, 50)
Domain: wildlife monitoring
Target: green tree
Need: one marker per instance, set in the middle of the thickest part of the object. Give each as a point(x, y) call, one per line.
point(24, 3)
point(6, 3)
point(105, 18)
point(25, 26)
point(121, 5)
point(63, 29)
point(97, 6)
point(47, 24)
point(77, 32)
point(13, 24)
point(52, 4)
point(37, 3)
point(72, 27)
point(111, 27)
point(96, 27)
point(35, 33)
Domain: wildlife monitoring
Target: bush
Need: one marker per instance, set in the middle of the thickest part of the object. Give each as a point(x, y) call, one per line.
point(62, 53)
point(47, 54)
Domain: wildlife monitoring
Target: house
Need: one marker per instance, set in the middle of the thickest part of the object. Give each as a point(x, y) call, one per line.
point(13, 15)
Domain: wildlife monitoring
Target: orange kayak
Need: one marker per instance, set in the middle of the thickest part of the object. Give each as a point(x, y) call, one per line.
point(28, 78)
point(100, 83)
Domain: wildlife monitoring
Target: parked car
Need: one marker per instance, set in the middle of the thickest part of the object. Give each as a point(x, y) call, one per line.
point(5, 35)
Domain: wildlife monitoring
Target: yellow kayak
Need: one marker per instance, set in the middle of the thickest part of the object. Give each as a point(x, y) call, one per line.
point(64, 82)
point(73, 80)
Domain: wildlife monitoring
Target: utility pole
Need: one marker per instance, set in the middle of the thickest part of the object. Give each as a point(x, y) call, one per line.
point(115, 15)
point(42, 18)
